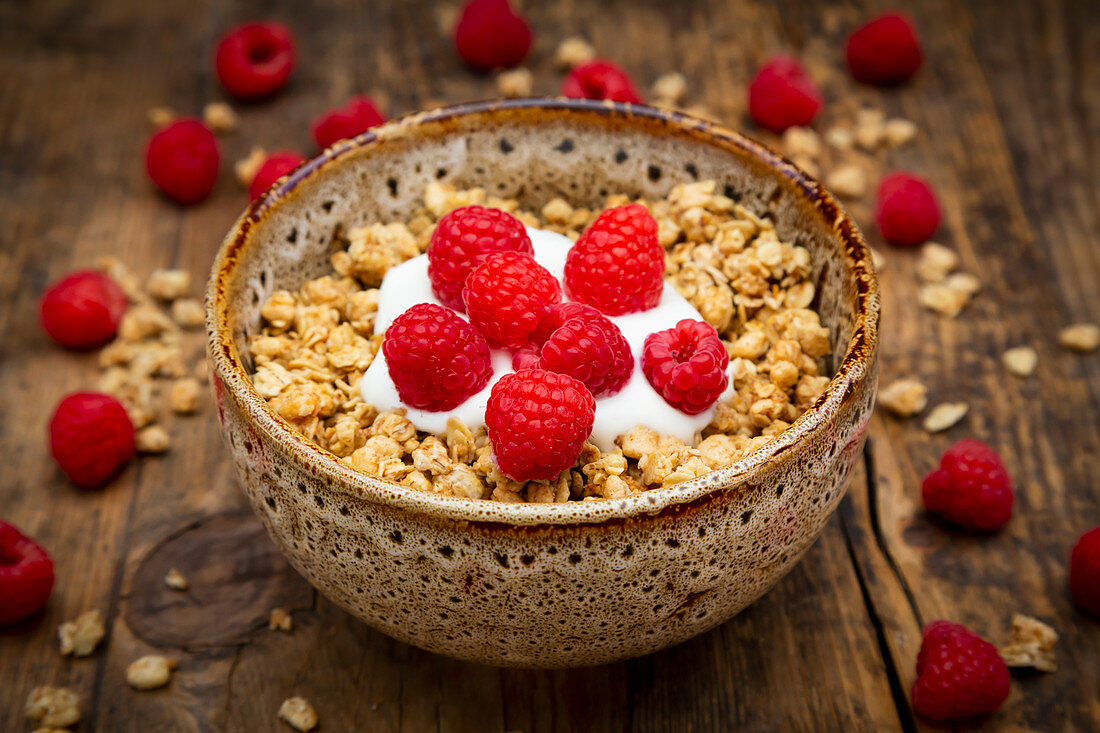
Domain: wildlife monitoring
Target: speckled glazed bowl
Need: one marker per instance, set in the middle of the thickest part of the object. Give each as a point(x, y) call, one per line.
point(540, 585)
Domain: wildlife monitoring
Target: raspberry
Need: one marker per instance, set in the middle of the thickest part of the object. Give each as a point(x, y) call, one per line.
point(600, 79)
point(82, 310)
point(884, 51)
point(26, 575)
point(686, 365)
point(782, 95)
point(971, 488)
point(906, 209)
point(275, 167)
point(255, 60)
point(617, 264)
point(959, 674)
point(461, 239)
point(182, 160)
point(507, 295)
point(354, 118)
point(91, 438)
point(537, 423)
point(578, 340)
point(490, 35)
point(436, 359)
point(1084, 572)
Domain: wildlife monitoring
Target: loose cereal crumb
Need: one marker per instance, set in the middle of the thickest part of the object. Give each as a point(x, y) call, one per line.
point(870, 129)
point(80, 637)
point(143, 321)
point(944, 416)
point(152, 439)
point(1021, 360)
point(515, 83)
point(280, 620)
point(848, 181)
point(247, 167)
point(801, 142)
point(184, 396)
point(669, 88)
point(168, 284)
point(899, 132)
point(839, 138)
point(1031, 645)
point(174, 579)
point(188, 312)
point(53, 707)
point(297, 712)
point(943, 299)
point(220, 117)
point(904, 397)
point(574, 51)
point(160, 116)
point(150, 672)
point(1083, 337)
point(935, 262)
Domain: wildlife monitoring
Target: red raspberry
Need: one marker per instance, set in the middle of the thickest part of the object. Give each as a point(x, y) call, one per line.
point(354, 118)
point(578, 340)
point(91, 438)
point(507, 295)
point(182, 160)
point(1084, 572)
point(884, 51)
point(782, 95)
point(490, 35)
point(461, 239)
point(959, 674)
point(686, 364)
point(436, 359)
point(906, 209)
point(617, 264)
point(275, 167)
point(82, 310)
point(26, 575)
point(537, 423)
point(255, 60)
point(971, 488)
point(600, 79)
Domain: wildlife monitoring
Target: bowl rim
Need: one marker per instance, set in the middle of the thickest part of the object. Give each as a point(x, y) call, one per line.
point(855, 365)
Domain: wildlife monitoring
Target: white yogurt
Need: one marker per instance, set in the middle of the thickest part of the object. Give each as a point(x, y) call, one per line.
point(637, 403)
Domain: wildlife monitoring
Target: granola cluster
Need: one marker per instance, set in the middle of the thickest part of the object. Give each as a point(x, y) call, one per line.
point(754, 288)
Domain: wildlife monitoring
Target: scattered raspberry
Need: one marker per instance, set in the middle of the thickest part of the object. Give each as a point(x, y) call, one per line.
point(782, 95)
point(617, 265)
point(436, 359)
point(600, 79)
point(91, 438)
point(461, 239)
point(1084, 572)
point(906, 209)
point(686, 364)
point(490, 35)
point(959, 674)
point(507, 295)
point(275, 167)
point(182, 160)
point(255, 60)
point(82, 310)
point(26, 575)
point(971, 488)
point(884, 51)
point(354, 118)
point(578, 340)
point(537, 423)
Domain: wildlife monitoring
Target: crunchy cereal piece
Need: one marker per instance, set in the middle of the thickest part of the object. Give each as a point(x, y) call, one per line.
point(869, 130)
point(360, 309)
point(557, 210)
point(168, 284)
point(143, 321)
point(280, 620)
point(160, 116)
point(247, 167)
point(372, 457)
point(839, 138)
point(616, 488)
point(80, 637)
point(963, 282)
point(175, 580)
point(431, 457)
point(395, 425)
point(848, 181)
point(898, 132)
point(53, 707)
point(152, 439)
point(1083, 337)
point(460, 441)
point(638, 442)
point(607, 464)
point(801, 142)
point(720, 450)
point(750, 345)
point(220, 117)
point(715, 304)
point(188, 312)
point(574, 51)
point(461, 481)
point(184, 396)
point(150, 672)
point(374, 249)
point(809, 390)
point(669, 88)
point(417, 480)
point(515, 83)
point(1031, 645)
point(1021, 360)
point(298, 713)
point(943, 299)
point(904, 397)
point(944, 416)
point(936, 262)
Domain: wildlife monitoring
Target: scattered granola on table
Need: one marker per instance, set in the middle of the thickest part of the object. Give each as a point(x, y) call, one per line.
point(904, 397)
point(1083, 337)
point(80, 637)
point(298, 713)
point(53, 707)
point(1031, 645)
point(174, 579)
point(1021, 360)
point(944, 416)
point(150, 672)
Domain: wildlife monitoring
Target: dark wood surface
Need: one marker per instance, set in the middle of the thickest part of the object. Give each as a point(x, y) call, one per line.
point(1009, 110)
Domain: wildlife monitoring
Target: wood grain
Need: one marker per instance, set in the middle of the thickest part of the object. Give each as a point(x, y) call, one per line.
point(1009, 108)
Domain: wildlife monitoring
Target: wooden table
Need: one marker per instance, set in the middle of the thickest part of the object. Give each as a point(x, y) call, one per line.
point(1009, 110)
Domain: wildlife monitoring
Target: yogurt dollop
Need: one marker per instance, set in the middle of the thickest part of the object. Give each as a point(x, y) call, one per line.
point(637, 403)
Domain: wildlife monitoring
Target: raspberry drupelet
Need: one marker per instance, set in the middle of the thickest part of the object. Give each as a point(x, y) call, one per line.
point(884, 51)
point(782, 95)
point(275, 167)
point(491, 35)
point(971, 488)
point(357, 116)
point(91, 438)
point(255, 60)
point(959, 674)
point(82, 310)
point(182, 160)
point(600, 79)
point(26, 575)
point(686, 365)
point(506, 297)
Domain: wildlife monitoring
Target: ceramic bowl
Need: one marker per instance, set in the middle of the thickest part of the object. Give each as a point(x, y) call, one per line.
point(540, 585)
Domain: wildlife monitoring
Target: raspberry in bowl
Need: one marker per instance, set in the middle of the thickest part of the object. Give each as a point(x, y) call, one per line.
point(649, 452)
